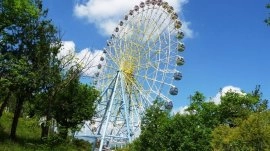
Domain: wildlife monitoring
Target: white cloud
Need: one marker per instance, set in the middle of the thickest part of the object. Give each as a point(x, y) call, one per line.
point(105, 14)
point(224, 90)
point(181, 110)
point(68, 47)
point(188, 32)
point(88, 59)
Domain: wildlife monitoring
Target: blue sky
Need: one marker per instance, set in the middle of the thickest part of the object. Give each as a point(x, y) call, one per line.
point(228, 45)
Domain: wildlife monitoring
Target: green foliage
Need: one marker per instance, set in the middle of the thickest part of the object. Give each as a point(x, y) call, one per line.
point(251, 134)
point(202, 118)
point(74, 104)
point(235, 106)
point(244, 124)
point(230, 125)
point(53, 141)
point(153, 129)
point(196, 102)
point(25, 43)
point(182, 132)
point(186, 132)
point(28, 49)
point(22, 6)
point(82, 144)
point(160, 131)
point(204, 110)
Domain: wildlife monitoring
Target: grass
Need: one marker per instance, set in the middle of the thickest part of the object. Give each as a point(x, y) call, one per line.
point(28, 137)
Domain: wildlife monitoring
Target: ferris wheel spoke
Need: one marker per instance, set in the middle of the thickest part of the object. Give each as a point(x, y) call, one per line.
point(156, 25)
point(141, 90)
point(146, 26)
point(154, 80)
point(150, 45)
point(149, 48)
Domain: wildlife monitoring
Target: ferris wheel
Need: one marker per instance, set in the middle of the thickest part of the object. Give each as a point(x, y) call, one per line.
point(140, 66)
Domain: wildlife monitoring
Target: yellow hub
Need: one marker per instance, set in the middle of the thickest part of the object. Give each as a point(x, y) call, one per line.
point(127, 66)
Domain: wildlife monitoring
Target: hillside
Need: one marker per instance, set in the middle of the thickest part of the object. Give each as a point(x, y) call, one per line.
point(28, 137)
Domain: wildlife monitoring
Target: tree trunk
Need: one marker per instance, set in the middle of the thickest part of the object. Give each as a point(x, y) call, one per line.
point(18, 109)
point(44, 130)
point(45, 127)
point(4, 103)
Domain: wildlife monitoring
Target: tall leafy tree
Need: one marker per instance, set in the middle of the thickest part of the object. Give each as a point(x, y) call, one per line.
point(153, 129)
point(73, 106)
point(205, 117)
point(45, 101)
point(28, 49)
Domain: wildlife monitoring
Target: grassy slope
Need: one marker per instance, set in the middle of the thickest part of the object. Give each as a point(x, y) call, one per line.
point(28, 137)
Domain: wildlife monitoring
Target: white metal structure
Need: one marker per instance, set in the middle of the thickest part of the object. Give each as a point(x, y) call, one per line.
point(140, 66)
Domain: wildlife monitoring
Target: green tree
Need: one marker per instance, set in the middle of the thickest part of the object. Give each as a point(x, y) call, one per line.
point(160, 131)
point(202, 119)
point(74, 104)
point(45, 101)
point(235, 107)
point(251, 134)
point(153, 129)
point(244, 122)
point(28, 48)
point(185, 132)
point(207, 126)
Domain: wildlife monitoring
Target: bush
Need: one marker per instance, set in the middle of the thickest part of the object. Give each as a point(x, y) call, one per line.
point(82, 144)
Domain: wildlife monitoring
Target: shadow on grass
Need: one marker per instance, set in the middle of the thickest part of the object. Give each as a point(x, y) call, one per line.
point(22, 142)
